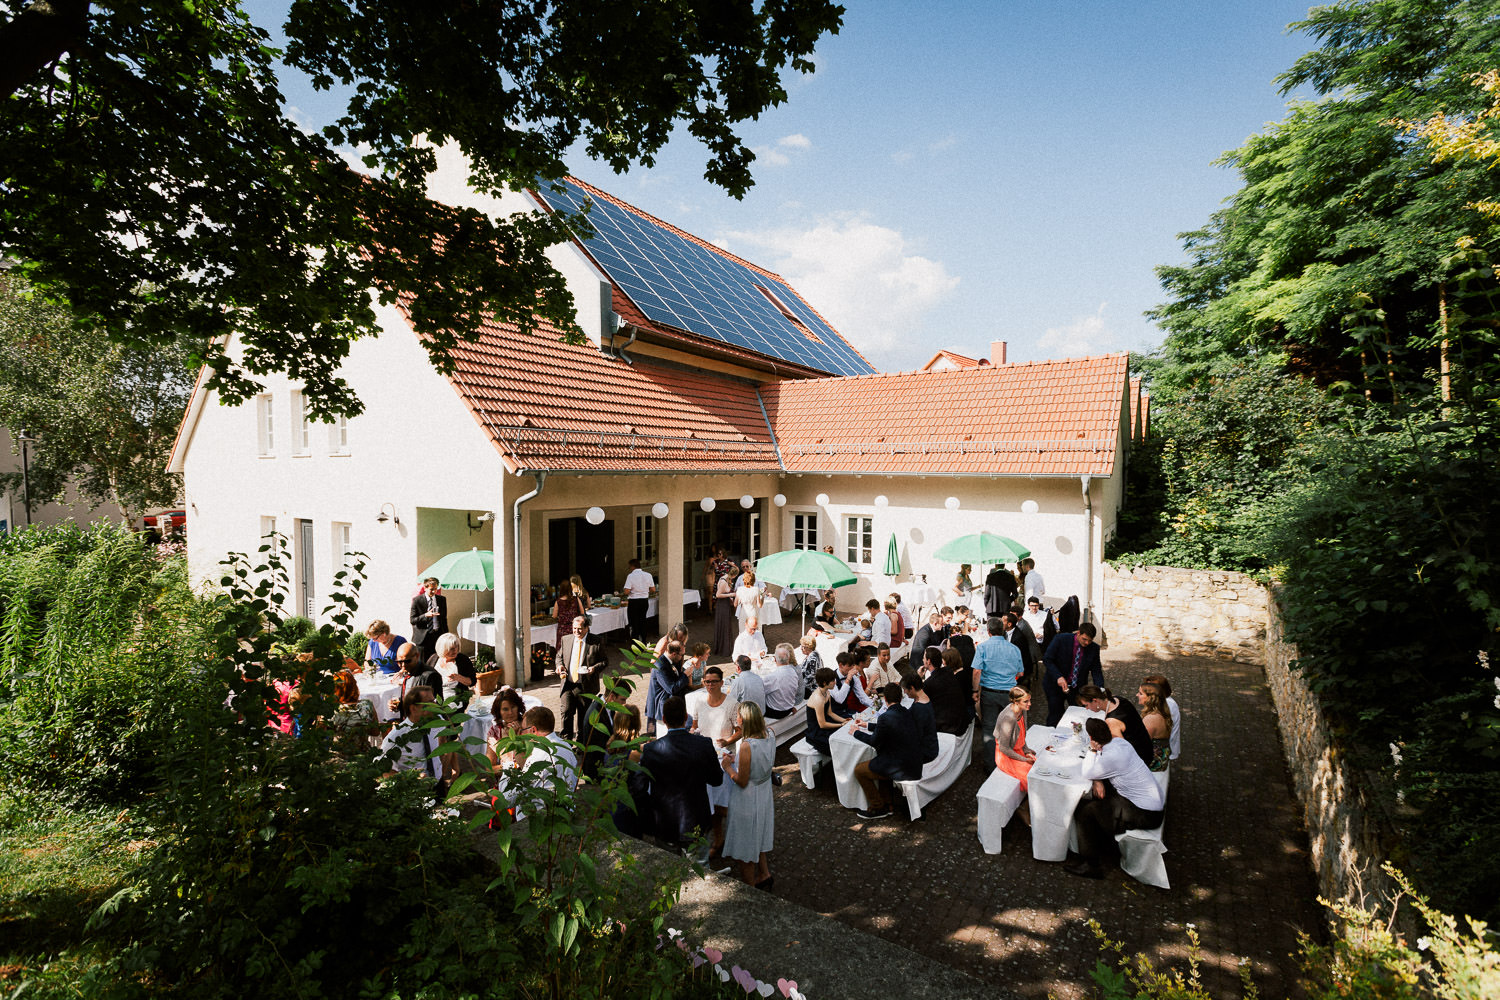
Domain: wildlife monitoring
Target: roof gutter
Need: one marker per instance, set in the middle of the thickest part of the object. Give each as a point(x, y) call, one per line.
point(520, 602)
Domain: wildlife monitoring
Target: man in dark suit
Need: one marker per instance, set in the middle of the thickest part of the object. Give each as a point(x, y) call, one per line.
point(949, 694)
point(598, 722)
point(429, 617)
point(999, 591)
point(898, 752)
point(931, 634)
point(1072, 659)
point(682, 765)
point(1023, 638)
point(579, 662)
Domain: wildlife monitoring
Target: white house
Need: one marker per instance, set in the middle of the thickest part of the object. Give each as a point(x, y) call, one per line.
point(705, 377)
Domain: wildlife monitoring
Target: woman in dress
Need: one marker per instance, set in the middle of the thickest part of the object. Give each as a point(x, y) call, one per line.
point(962, 584)
point(508, 709)
point(826, 618)
point(572, 601)
point(354, 720)
point(1158, 721)
point(750, 831)
point(747, 599)
point(1011, 755)
point(455, 667)
point(697, 662)
point(726, 625)
point(822, 720)
point(380, 652)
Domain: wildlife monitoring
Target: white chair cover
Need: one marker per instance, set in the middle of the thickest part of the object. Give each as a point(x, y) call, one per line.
point(939, 775)
point(999, 797)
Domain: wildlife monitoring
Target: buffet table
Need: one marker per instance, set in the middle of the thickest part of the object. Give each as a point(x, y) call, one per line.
point(601, 620)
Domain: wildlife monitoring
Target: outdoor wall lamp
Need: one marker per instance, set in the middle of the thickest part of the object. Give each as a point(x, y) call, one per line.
point(383, 517)
point(476, 523)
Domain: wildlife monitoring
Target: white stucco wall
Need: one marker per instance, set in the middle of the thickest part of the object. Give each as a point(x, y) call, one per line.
point(415, 447)
point(916, 514)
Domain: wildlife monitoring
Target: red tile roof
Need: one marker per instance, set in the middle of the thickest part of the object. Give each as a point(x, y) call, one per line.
point(553, 406)
point(1135, 408)
point(955, 359)
point(1046, 418)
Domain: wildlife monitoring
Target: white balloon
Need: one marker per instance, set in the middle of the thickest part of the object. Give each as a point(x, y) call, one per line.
point(1030, 507)
point(707, 503)
point(779, 499)
point(594, 515)
point(951, 503)
point(659, 510)
point(747, 501)
point(882, 501)
point(822, 499)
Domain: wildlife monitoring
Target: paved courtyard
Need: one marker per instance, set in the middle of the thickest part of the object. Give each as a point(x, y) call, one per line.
point(1237, 857)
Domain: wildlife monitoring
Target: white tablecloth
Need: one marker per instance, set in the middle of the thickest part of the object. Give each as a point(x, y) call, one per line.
point(847, 752)
point(601, 620)
point(789, 596)
point(378, 691)
point(831, 644)
point(1054, 789)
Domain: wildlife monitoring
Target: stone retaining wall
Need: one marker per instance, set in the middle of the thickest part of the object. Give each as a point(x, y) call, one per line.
point(1192, 612)
point(1232, 617)
point(1348, 827)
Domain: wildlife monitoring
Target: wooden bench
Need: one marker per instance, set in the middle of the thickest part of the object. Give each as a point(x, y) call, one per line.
point(792, 726)
point(809, 760)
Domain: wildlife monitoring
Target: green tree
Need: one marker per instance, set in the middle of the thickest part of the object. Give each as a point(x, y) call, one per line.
point(104, 414)
point(152, 177)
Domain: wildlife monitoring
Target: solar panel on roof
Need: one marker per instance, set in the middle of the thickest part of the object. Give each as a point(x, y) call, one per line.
point(678, 282)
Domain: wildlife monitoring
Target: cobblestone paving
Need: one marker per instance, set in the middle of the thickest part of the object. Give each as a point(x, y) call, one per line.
point(1237, 857)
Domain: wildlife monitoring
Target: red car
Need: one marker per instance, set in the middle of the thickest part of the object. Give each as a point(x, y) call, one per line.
point(167, 522)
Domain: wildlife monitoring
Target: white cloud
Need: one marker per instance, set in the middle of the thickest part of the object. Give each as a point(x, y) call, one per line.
point(777, 155)
point(862, 277)
point(1085, 335)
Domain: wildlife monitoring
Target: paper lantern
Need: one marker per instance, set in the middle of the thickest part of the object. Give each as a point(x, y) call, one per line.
point(1030, 507)
point(779, 499)
point(822, 499)
point(594, 515)
point(659, 510)
point(747, 501)
point(707, 503)
point(951, 503)
point(882, 502)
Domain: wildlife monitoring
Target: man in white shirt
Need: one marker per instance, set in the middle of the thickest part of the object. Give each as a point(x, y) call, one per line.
point(749, 642)
point(747, 685)
point(1125, 796)
point(1035, 587)
point(639, 589)
point(849, 697)
point(550, 760)
point(880, 624)
point(784, 685)
point(409, 747)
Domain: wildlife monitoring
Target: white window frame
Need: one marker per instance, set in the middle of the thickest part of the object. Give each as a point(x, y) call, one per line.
point(267, 527)
point(265, 425)
point(802, 521)
point(703, 535)
point(301, 429)
point(338, 436)
point(755, 535)
point(645, 538)
point(856, 525)
point(341, 534)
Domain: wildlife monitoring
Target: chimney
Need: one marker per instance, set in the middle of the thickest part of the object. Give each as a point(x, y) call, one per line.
point(997, 352)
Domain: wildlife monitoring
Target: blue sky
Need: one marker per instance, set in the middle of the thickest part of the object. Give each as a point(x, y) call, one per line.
point(961, 172)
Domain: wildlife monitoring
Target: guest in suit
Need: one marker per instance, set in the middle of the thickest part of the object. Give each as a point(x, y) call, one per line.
point(429, 617)
point(598, 723)
point(898, 752)
point(948, 691)
point(922, 713)
point(1072, 660)
point(579, 662)
point(682, 765)
point(668, 679)
point(999, 591)
point(1020, 635)
point(934, 633)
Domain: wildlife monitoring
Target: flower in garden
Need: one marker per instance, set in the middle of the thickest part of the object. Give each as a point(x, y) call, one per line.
point(1396, 754)
point(1424, 943)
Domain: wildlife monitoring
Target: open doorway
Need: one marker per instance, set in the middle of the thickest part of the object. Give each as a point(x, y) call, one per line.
point(575, 546)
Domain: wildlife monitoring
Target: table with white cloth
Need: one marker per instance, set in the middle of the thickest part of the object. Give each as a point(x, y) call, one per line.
point(1054, 785)
point(378, 691)
point(847, 752)
point(830, 644)
point(917, 596)
point(769, 612)
point(601, 620)
point(791, 597)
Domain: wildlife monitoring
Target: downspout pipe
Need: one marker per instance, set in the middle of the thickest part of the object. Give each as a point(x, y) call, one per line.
point(1088, 550)
point(522, 612)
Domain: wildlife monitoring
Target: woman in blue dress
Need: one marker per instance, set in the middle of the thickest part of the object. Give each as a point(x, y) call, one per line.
point(822, 720)
point(381, 650)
